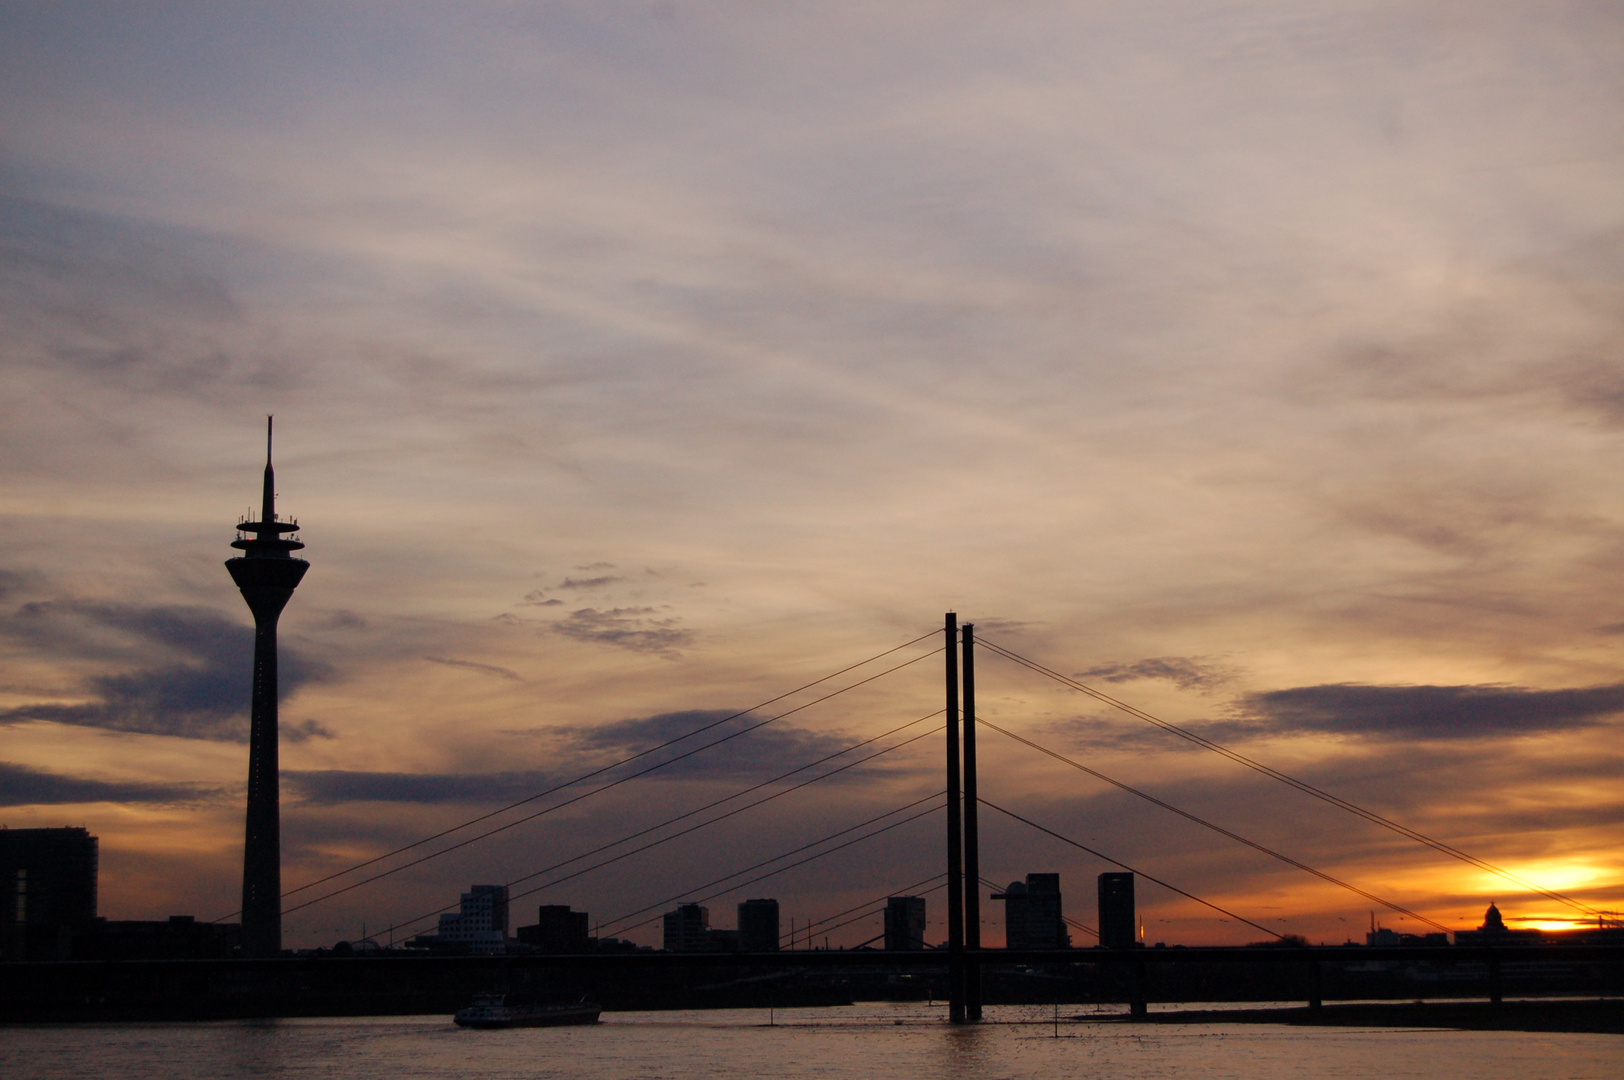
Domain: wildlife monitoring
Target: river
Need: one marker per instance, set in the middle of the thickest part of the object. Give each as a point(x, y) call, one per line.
point(873, 1041)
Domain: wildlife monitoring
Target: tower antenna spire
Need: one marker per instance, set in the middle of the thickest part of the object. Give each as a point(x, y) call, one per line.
point(267, 510)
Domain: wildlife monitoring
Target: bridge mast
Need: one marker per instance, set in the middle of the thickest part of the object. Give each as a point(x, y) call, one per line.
point(972, 839)
point(955, 843)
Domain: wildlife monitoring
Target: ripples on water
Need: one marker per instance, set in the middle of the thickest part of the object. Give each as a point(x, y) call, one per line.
point(884, 1042)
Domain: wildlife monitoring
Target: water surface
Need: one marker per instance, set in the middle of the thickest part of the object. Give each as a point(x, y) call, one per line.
point(883, 1042)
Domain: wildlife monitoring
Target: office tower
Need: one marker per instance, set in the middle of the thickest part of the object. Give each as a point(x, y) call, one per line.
point(758, 926)
point(558, 930)
point(1118, 929)
point(266, 573)
point(480, 924)
point(905, 923)
point(687, 929)
point(47, 891)
point(1033, 918)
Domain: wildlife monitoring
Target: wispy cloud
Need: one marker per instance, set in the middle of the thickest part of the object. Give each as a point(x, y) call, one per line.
point(1185, 672)
point(590, 583)
point(487, 669)
point(640, 629)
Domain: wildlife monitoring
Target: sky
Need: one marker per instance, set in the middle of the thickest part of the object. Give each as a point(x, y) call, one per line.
point(1260, 365)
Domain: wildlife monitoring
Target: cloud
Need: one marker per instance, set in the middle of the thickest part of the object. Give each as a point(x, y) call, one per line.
point(1271, 332)
point(1434, 712)
point(332, 786)
point(488, 669)
point(1101, 733)
point(201, 692)
point(765, 751)
point(304, 730)
point(755, 755)
point(10, 582)
point(110, 303)
point(590, 583)
point(21, 785)
point(1185, 672)
point(627, 628)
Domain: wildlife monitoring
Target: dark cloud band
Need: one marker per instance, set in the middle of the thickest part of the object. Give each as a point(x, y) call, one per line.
point(198, 689)
point(1435, 712)
point(24, 786)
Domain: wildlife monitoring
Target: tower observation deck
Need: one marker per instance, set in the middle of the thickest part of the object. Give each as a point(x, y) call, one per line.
point(266, 574)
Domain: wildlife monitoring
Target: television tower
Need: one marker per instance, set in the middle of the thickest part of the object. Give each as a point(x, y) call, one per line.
point(267, 573)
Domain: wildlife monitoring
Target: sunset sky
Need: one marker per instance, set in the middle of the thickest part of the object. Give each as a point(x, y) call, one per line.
point(1259, 364)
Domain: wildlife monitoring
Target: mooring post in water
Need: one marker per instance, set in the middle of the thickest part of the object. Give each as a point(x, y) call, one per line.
point(972, 839)
point(955, 840)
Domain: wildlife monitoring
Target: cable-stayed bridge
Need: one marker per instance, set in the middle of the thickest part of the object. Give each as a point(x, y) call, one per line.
point(959, 805)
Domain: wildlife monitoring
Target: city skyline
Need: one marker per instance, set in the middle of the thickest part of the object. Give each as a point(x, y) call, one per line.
point(1259, 367)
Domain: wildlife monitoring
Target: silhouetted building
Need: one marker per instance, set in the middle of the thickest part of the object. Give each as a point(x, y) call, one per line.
point(1381, 937)
point(1495, 932)
point(687, 929)
point(758, 926)
point(266, 574)
point(47, 891)
point(618, 945)
point(558, 930)
point(1032, 914)
point(179, 937)
point(904, 923)
point(1118, 925)
point(479, 926)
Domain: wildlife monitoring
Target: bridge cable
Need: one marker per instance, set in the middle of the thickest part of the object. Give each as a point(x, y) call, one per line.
point(822, 929)
point(822, 924)
point(599, 772)
point(1115, 862)
point(1291, 781)
point(1237, 837)
point(773, 873)
point(603, 787)
point(690, 813)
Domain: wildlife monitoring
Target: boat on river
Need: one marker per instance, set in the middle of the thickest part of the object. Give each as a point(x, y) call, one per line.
point(494, 1011)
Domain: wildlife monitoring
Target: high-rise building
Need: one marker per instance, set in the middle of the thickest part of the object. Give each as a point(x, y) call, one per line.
point(480, 924)
point(1118, 928)
point(558, 930)
point(1033, 916)
point(687, 929)
point(904, 923)
point(266, 574)
point(758, 926)
point(47, 891)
